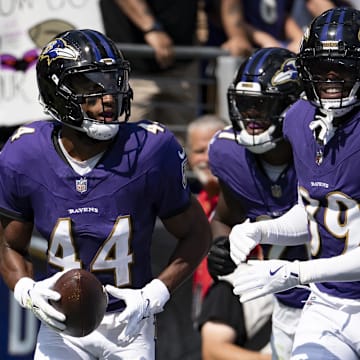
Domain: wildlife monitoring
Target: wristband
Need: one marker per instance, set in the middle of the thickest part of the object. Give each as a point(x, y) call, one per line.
point(155, 27)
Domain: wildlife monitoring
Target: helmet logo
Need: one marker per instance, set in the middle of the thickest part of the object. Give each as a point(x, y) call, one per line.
point(58, 49)
point(287, 73)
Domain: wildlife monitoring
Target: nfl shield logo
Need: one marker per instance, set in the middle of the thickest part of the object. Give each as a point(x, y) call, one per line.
point(81, 185)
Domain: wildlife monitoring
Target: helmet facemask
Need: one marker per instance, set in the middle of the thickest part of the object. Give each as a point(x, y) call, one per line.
point(84, 90)
point(258, 119)
point(337, 92)
point(264, 87)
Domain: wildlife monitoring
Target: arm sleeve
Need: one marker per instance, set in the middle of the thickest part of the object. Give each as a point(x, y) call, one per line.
point(344, 267)
point(288, 229)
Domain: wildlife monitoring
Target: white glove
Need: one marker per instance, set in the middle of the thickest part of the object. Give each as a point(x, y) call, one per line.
point(266, 277)
point(243, 238)
point(322, 126)
point(140, 304)
point(35, 295)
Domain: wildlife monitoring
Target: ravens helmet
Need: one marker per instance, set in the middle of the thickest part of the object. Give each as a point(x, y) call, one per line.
point(329, 60)
point(263, 88)
point(78, 67)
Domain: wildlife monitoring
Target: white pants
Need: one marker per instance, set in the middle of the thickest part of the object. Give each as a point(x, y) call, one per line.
point(328, 329)
point(285, 320)
point(100, 344)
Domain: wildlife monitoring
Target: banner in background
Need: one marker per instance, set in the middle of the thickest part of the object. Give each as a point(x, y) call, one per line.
point(25, 27)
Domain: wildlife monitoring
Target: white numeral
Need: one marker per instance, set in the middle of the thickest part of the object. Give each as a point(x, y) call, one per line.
point(113, 255)
point(341, 219)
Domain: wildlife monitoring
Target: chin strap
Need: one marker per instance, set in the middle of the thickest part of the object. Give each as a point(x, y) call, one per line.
point(322, 126)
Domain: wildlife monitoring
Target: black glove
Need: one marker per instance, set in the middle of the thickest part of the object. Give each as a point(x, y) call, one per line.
point(219, 261)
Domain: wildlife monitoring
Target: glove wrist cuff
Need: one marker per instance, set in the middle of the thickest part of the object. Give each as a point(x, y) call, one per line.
point(157, 293)
point(21, 290)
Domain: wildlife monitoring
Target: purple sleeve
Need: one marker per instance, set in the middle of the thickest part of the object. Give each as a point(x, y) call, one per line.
point(168, 180)
point(13, 203)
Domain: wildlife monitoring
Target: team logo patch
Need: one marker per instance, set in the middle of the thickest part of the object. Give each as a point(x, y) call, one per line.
point(58, 49)
point(81, 185)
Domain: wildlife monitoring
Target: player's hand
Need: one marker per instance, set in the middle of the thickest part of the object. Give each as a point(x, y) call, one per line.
point(219, 261)
point(35, 295)
point(243, 238)
point(265, 277)
point(140, 304)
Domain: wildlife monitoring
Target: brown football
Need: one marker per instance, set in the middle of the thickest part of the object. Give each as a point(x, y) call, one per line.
point(83, 301)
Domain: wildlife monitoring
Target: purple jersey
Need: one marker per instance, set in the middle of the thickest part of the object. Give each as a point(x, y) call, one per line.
point(329, 187)
point(260, 197)
point(102, 221)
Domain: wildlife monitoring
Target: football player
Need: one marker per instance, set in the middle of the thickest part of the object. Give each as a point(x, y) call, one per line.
point(323, 131)
point(256, 171)
point(93, 185)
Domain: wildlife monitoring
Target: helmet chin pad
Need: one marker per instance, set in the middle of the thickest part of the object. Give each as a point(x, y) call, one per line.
point(342, 106)
point(258, 144)
point(338, 111)
point(99, 131)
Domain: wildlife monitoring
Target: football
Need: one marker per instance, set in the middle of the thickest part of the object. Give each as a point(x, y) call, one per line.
point(83, 301)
